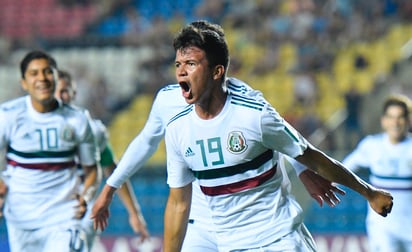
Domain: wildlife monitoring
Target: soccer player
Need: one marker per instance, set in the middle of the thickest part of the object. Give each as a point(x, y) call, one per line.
point(200, 235)
point(388, 157)
point(66, 92)
point(229, 143)
point(43, 141)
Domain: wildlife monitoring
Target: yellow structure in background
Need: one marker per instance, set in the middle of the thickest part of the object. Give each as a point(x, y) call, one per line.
point(127, 125)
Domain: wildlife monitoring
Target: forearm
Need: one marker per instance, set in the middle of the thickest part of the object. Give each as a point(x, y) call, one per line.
point(333, 170)
point(129, 199)
point(175, 223)
point(107, 192)
point(175, 228)
point(125, 193)
point(92, 180)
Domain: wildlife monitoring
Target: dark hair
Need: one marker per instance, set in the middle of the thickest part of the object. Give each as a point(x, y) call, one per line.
point(35, 55)
point(208, 37)
point(400, 101)
point(205, 25)
point(64, 75)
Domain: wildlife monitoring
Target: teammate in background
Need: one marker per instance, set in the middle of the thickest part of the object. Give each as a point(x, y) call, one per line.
point(388, 157)
point(43, 141)
point(230, 145)
point(168, 102)
point(66, 92)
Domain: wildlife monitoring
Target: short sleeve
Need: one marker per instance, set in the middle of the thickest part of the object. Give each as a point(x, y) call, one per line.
point(178, 173)
point(279, 135)
point(87, 148)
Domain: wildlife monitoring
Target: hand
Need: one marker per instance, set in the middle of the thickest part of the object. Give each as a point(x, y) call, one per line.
point(381, 202)
point(138, 225)
point(320, 188)
point(3, 192)
point(81, 208)
point(100, 211)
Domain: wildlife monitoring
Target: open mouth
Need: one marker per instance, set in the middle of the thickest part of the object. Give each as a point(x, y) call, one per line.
point(186, 90)
point(184, 86)
point(44, 88)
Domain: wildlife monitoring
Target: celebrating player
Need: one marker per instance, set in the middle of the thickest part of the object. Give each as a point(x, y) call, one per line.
point(43, 141)
point(229, 143)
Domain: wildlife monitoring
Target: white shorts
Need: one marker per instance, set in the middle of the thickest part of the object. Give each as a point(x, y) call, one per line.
point(47, 239)
point(199, 239)
point(298, 241)
point(380, 238)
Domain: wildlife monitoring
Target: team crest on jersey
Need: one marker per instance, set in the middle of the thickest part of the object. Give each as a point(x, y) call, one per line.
point(236, 142)
point(68, 133)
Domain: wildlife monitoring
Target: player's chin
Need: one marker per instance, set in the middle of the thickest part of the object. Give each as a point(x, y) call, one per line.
point(190, 99)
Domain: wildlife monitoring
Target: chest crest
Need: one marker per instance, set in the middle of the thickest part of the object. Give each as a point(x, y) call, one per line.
point(236, 142)
point(67, 133)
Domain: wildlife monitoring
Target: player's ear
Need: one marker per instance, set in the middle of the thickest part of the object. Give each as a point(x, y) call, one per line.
point(219, 71)
point(23, 84)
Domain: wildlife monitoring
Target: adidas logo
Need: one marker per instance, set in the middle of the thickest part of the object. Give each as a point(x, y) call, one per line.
point(26, 136)
point(189, 152)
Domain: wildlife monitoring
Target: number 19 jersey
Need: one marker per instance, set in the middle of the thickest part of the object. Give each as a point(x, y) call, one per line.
point(234, 158)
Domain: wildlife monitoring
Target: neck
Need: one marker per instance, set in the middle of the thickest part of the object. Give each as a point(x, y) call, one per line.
point(212, 106)
point(45, 107)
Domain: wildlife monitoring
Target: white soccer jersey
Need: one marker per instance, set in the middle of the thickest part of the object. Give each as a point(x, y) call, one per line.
point(41, 152)
point(390, 168)
point(101, 136)
point(234, 157)
point(169, 101)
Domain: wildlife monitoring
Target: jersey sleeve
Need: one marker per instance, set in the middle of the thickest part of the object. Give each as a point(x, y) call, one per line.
point(107, 156)
point(87, 147)
point(100, 133)
point(141, 148)
point(178, 173)
point(279, 135)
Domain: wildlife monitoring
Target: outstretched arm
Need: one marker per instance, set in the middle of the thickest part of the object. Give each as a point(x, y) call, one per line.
point(319, 188)
point(129, 200)
point(136, 154)
point(329, 168)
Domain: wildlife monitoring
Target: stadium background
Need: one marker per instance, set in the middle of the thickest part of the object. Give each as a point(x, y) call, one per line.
point(304, 55)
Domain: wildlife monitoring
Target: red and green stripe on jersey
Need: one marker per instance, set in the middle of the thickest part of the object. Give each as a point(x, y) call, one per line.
point(261, 167)
point(42, 160)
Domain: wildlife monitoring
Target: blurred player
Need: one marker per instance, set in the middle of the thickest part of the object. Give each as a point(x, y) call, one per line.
point(388, 157)
point(43, 142)
point(66, 91)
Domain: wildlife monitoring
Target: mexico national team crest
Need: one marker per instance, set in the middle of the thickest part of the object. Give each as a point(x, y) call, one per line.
point(236, 142)
point(68, 133)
